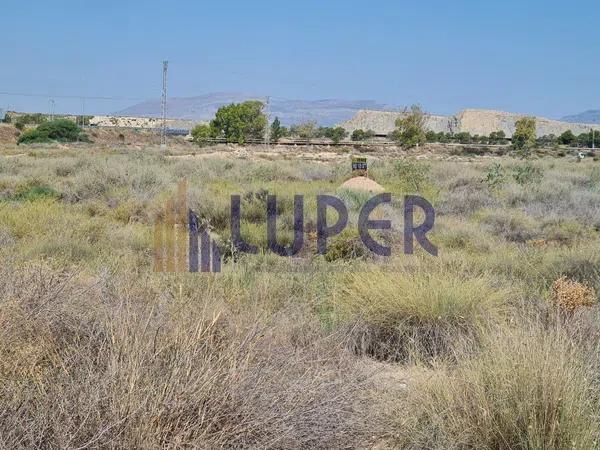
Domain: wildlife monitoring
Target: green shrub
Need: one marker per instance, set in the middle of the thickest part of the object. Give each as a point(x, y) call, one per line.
point(412, 173)
point(33, 190)
point(463, 137)
point(396, 315)
point(527, 174)
point(61, 130)
point(305, 130)
point(362, 135)
point(497, 137)
point(495, 176)
point(347, 245)
point(202, 134)
point(32, 137)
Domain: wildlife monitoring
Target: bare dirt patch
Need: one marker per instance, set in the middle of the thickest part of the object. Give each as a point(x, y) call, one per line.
point(362, 184)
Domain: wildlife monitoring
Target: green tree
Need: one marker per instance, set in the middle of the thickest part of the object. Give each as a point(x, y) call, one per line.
point(322, 132)
point(410, 128)
point(358, 135)
point(548, 140)
point(306, 130)
point(567, 138)
point(524, 137)
point(337, 134)
point(464, 137)
point(277, 130)
point(202, 134)
point(442, 137)
point(431, 136)
point(240, 122)
point(497, 137)
point(362, 135)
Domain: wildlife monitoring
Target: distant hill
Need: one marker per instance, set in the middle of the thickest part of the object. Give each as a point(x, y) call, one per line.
point(589, 116)
point(473, 121)
point(203, 108)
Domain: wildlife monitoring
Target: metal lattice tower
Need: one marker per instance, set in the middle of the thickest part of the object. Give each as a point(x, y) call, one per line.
point(163, 104)
point(51, 107)
point(267, 128)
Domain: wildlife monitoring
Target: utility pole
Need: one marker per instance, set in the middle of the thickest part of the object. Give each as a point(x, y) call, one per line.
point(82, 111)
point(51, 104)
point(593, 143)
point(267, 128)
point(163, 131)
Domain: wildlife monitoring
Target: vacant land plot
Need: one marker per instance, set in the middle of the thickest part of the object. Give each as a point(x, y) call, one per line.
point(495, 343)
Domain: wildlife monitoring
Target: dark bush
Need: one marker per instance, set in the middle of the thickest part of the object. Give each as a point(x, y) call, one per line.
point(567, 138)
point(497, 137)
point(61, 130)
point(362, 135)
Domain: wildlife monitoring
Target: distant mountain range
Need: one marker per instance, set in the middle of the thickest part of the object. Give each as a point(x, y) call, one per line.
point(326, 112)
point(203, 108)
point(589, 116)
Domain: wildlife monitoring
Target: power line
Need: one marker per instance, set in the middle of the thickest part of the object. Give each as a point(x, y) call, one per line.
point(91, 97)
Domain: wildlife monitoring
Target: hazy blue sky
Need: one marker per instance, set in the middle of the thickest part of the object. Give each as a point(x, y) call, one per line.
point(539, 57)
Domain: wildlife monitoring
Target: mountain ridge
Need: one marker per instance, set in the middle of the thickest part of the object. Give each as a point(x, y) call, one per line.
point(202, 108)
point(589, 116)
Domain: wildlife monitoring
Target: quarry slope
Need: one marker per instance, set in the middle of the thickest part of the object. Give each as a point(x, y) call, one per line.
point(473, 121)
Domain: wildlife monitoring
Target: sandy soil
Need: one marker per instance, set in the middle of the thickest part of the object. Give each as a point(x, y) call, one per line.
point(363, 184)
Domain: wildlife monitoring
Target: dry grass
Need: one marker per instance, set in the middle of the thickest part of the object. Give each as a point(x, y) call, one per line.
point(528, 388)
point(395, 315)
point(462, 351)
point(126, 365)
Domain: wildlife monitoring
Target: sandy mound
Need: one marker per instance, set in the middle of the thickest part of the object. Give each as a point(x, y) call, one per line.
point(362, 184)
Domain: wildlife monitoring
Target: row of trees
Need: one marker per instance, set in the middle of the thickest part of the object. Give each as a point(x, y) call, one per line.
point(23, 120)
point(245, 122)
point(310, 130)
point(496, 137)
point(410, 132)
point(583, 140)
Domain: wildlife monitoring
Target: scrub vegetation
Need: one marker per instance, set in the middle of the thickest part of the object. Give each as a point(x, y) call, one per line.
point(494, 344)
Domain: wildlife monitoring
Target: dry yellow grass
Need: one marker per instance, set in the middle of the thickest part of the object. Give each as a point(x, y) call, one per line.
point(98, 351)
